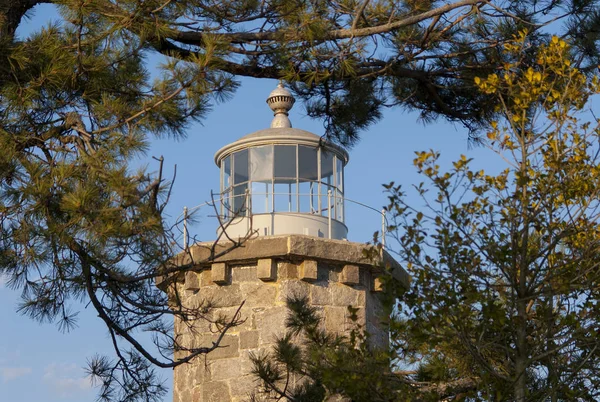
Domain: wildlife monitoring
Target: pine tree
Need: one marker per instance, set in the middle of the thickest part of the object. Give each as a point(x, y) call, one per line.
point(77, 106)
point(346, 59)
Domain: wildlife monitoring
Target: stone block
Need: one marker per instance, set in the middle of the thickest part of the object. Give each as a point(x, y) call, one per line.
point(223, 369)
point(270, 323)
point(335, 318)
point(292, 288)
point(350, 324)
point(266, 269)
point(220, 296)
point(180, 379)
point(320, 295)
point(219, 273)
point(243, 386)
point(287, 270)
point(350, 275)
point(248, 340)
point(192, 280)
point(229, 346)
point(196, 395)
point(243, 274)
point(228, 314)
point(185, 395)
point(308, 271)
point(259, 293)
point(215, 391)
point(246, 363)
point(377, 285)
point(343, 295)
point(206, 277)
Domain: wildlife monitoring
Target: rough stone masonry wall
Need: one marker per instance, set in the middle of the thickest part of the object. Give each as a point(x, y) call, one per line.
point(264, 285)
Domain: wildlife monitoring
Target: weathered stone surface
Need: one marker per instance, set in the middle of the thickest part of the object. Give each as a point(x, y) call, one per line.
point(251, 250)
point(292, 288)
point(219, 273)
point(287, 270)
point(258, 293)
point(196, 395)
point(206, 278)
point(242, 387)
point(332, 250)
point(266, 269)
point(308, 271)
point(215, 391)
point(245, 361)
point(243, 274)
point(192, 280)
point(377, 285)
point(220, 296)
point(223, 369)
point(332, 274)
point(271, 323)
point(185, 394)
point(248, 340)
point(320, 294)
point(286, 247)
point(350, 275)
point(334, 318)
point(378, 337)
point(342, 295)
point(328, 272)
point(229, 346)
point(350, 324)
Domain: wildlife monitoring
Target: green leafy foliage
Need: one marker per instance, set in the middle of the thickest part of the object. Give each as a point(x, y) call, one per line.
point(503, 300)
point(347, 59)
point(505, 278)
point(77, 222)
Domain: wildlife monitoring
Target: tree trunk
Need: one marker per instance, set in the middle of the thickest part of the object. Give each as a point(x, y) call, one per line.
point(521, 359)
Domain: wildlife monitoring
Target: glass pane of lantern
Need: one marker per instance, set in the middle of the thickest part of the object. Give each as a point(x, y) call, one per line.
point(261, 197)
point(226, 166)
point(325, 206)
point(307, 163)
point(327, 167)
point(339, 174)
point(308, 194)
point(261, 163)
point(285, 197)
point(285, 161)
point(239, 200)
point(225, 203)
point(240, 166)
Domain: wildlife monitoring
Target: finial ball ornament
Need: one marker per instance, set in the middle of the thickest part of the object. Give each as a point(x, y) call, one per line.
point(281, 102)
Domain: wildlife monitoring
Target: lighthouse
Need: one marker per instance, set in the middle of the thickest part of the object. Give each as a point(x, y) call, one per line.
point(282, 180)
point(281, 232)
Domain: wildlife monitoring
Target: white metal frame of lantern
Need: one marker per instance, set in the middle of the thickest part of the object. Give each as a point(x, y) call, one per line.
point(182, 221)
point(271, 194)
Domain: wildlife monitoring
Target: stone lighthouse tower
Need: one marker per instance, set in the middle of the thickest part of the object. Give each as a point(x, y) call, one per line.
point(281, 233)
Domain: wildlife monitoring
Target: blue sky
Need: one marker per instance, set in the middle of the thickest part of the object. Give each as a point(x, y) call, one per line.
point(38, 363)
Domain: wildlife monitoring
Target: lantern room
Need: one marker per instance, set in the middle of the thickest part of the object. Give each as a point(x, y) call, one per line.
point(282, 180)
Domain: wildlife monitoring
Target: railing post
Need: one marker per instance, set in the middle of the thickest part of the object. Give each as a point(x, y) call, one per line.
point(185, 228)
point(329, 212)
point(247, 207)
point(383, 228)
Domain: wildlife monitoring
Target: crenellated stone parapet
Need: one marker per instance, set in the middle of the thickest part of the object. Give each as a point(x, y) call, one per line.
point(263, 273)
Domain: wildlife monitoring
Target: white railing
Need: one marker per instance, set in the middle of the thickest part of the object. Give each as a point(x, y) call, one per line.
point(244, 211)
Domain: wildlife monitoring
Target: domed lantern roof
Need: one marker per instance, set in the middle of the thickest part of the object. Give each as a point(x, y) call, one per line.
point(282, 180)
